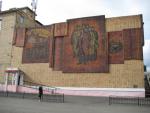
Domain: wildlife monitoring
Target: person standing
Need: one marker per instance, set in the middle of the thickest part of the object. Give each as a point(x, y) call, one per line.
point(40, 93)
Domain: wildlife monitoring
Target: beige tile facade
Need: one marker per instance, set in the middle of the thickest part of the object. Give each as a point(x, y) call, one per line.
point(120, 23)
point(6, 34)
point(127, 75)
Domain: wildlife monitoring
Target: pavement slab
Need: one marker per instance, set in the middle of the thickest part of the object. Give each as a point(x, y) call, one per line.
point(72, 104)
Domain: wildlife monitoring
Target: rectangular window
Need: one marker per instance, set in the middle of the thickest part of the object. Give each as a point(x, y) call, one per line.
point(21, 19)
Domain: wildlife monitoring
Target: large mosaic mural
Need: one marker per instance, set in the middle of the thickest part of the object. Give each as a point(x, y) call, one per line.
point(85, 48)
point(79, 45)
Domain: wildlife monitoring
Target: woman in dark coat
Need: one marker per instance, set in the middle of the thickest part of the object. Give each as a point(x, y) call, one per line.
point(40, 93)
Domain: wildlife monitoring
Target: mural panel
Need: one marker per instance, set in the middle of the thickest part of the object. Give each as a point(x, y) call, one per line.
point(116, 47)
point(37, 45)
point(58, 55)
point(85, 48)
point(20, 37)
point(60, 29)
point(133, 43)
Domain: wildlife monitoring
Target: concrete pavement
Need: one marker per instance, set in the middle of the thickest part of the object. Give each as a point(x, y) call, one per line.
point(73, 104)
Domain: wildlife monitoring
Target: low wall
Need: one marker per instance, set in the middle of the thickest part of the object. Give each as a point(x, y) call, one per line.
point(102, 92)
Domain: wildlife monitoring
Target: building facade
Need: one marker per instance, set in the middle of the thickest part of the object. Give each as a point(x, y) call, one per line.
point(11, 20)
point(84, 52)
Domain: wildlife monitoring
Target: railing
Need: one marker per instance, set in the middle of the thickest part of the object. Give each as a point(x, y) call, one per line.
point(31, 92)
point(46, 97)
point(49, 89)
point(129, 100)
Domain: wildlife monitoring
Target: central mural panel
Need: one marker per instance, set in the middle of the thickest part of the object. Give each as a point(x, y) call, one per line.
point(84, 41)
point(85, 47)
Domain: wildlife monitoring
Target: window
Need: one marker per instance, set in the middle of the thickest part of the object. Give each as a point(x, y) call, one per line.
point(21, 19)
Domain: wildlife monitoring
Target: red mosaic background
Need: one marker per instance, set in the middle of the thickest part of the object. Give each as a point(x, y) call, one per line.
point(133, 41)
point(20, 37)
point(38, 45)
point(70, 63)
point(58, 55)
point(60, 29)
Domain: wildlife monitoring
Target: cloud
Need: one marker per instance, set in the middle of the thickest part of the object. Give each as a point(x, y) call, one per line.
point(148, 69)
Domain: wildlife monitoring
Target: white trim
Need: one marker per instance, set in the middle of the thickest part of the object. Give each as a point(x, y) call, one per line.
point(92, 89)
point(102, 89)
point(12, 69)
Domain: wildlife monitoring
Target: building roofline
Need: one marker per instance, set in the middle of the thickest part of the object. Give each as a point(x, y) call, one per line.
point(39, 22)
point(12, 10)
point(124, 16)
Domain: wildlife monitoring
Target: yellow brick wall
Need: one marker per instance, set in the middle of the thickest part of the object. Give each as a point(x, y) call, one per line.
point(124, 22)
point(6, 34)
point(125, 75)
point(3, 66)
point(10, 21)
point(121, 75)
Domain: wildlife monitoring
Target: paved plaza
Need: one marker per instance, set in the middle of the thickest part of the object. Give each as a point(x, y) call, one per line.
point(72, 104)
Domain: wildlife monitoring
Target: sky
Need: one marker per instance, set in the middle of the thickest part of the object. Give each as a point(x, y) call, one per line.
point(54, 11)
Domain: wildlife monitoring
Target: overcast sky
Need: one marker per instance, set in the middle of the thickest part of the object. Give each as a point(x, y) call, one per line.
point(53, 11)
